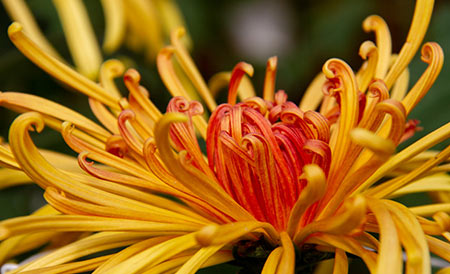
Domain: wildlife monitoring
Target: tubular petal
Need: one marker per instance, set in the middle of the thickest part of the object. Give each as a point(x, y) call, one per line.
point(313, 95)
point(114, 24)
point(347, 220)
point(341, 262)
point(156, 254)
point(287, 261)
point(80, 36)
point(366, 75)
point(171, 265)
point(109, 70)
point(236, 75)
point(272, 262)
point(439, 247)
point(389, 252)
point(74, 267)
point(29, 102)
point(46, 175)
point(412, 238)
point(218, 235)
point(433, 55)
point(90, 245)
point(437, 182)
point(269, 80)
point(222, 79)
point(190, 69)
point(27, 224)
point(367, 139)
point(419, 25)
point(313, 191)
point(383, 38)
point(426, 142)
point(143, 21)
point(347, 244)
point(20, 12)
point(198, 259)
point(344, 86)
point(430, 210)
point(172, 18)
point(10, 177)
point(131, 79)
point(105, 117)
point(129, 252)
point(102, 156)
point(58, 69)
point(388, 187)
point(173, 84)
point(7, 158)
point(400, 87)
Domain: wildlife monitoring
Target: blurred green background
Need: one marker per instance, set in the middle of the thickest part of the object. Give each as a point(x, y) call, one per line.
point(303, 34)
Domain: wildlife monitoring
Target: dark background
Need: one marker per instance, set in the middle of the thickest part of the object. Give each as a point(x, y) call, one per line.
point(303, 34)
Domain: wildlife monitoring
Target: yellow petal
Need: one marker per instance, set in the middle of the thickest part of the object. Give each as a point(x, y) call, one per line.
point(392, 185)
point(368, 50)
point(412, 238)
point(190, 69)
point(129, 252)
point(75, 267)
point(114, 24)
point(341, 262)
point(383, 38)
point(223, 234)
point(27, 224)
point(86, 246)
point(287, 261)
point(421, 145)
point(346, 221)
point(142, 18)
point(19, 11)
point(389, 253)
point(156, 254)
point(27, 102)
point(271, 264)
point(80, 36)
point(57, 69)
point(419, 25)
point(198, 259)
point(313, 191)
point(313, 94)
point(11, 177)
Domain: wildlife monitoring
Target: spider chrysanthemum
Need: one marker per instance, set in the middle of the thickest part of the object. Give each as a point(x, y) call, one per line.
point(275, 177)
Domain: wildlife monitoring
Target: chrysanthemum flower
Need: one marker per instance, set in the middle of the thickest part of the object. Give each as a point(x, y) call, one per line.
point(277, 180)
point(143, 25)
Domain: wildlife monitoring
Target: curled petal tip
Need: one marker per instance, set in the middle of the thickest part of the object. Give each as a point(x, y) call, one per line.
point(247, 68)
point(132, 75)
point(34, 120)
point(367, 48)
point(14, 28)
point(371, 22)
point(431, 50)
point(115, 66)
point(330, 66)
